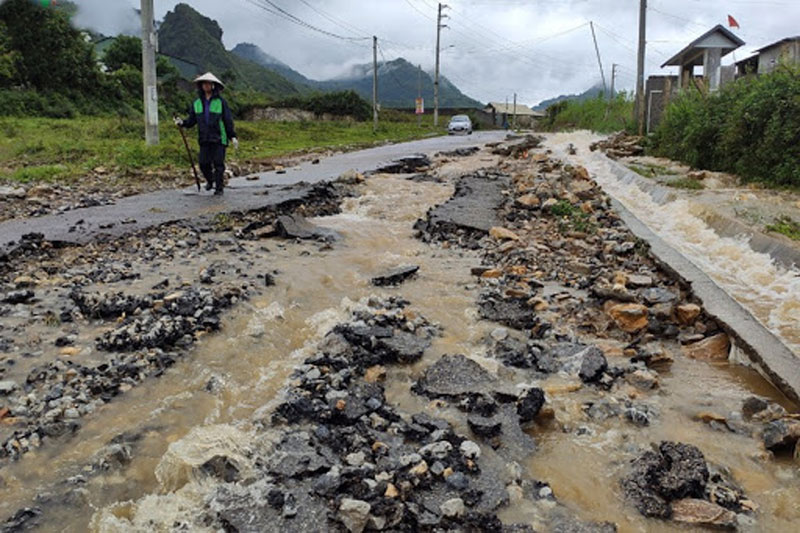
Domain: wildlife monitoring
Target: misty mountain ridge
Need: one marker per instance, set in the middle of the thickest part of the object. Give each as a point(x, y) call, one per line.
point(398, 81)
point(186, 34)
point(588, 94)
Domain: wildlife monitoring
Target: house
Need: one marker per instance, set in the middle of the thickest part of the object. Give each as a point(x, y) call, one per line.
point(785, 51)
point(706, 51)
point(500, 112)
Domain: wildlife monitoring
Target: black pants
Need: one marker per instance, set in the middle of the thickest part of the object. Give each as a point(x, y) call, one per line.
point(212, 164)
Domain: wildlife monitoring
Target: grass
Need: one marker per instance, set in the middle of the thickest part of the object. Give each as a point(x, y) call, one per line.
point(596, 114)
point(49, 150)
point(686, 183)
point(786, 226)
point(650, 170)
point(572, 218)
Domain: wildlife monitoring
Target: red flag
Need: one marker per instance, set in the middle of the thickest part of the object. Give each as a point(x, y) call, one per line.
point(732, 22)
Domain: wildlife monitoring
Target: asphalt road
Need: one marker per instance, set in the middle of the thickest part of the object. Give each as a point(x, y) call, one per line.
point(146, 210)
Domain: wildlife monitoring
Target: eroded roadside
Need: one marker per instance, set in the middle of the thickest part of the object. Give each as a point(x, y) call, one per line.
point(529, 383)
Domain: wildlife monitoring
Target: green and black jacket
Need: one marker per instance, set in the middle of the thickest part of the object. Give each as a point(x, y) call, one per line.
point(218, 129)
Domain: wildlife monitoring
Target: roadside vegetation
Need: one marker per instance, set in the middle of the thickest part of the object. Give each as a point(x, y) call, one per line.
point(65, 114)
point(44, 149)
point(786, 226)
point(596, 114)
point(750, 128)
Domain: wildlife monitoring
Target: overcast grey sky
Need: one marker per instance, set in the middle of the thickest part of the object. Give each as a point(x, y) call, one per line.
point(492, 48)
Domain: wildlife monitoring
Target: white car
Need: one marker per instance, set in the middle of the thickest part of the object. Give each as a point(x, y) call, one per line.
point(459, 124)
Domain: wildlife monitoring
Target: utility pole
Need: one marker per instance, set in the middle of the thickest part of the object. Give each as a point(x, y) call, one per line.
point(419, 95)
point(374, 84)
point(640, 66)
point(514, 120)
point(613, 80)
point(149, 78)
point(439, 27)
point(597, 51)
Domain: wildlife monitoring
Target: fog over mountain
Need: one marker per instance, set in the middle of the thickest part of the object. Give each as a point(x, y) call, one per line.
point(491, 48)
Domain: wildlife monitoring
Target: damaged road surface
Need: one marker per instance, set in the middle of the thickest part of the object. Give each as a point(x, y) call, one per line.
point(485, 349)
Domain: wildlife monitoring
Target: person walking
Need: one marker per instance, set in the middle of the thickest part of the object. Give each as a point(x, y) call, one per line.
point(215, 129)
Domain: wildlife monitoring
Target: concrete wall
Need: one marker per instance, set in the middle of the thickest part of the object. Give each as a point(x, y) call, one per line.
point(279, 114)
point(659, 90)
point(770, 58)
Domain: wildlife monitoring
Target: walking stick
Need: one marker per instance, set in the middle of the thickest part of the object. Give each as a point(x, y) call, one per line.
point(191, 159)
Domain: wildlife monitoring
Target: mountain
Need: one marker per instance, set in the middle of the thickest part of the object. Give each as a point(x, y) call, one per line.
point(588, 94)
point(398, 81)
point(188, 35)
point(398, 85)
point(258, 56)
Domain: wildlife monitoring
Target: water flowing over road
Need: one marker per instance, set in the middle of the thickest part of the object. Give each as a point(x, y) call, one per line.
point(140, 462)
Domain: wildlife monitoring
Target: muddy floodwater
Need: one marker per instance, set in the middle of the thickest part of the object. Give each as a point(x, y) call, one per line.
point(215, 399)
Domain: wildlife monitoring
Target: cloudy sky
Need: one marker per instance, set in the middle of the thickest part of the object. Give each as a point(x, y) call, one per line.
point(491, 49)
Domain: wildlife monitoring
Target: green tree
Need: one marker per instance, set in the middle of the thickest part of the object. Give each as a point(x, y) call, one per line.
point(8, 59)
point(52, 55)
point(127, 50)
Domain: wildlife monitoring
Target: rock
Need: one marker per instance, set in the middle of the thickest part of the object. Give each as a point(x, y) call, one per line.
point(456, 377)
point(529, 405)
point(486, 427)
point(781, 435)
point(703, 513)
point(7, 192)
point(374, 374)
point(69, 351)
point(354, 514)
point(350, 177)
point(406, 165)
point(638, 281)
point(470, 449)
point(24, 281)
point(593, 365)
point(391, 491)
point(673, 471)
point(7, 387)
point(452, 508)
point(530, 201)
point(754, 405)
point(657, 295)
point(395, 276)
point(297, 227)
point(716, 348)
point(17, 297)
point(460, 152)
point(420, 469)
point(222, 468)
point(687, 313)
point(642, 379)
point(436, 450)
point(511, 312)
point(629, 317)
point(503, 234)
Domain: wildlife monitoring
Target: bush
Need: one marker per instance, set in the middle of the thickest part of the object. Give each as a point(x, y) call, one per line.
point(340, 104)
point(750, 127)
point(596, 114)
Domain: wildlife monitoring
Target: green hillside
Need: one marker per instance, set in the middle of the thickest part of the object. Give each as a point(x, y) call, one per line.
point(397, 81)
point(398, 86)
point(188, 35)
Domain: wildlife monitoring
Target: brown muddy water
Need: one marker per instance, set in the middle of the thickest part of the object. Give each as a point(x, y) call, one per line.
point(263, 339)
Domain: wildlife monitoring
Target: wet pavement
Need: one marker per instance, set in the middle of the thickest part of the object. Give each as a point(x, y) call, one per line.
point(138, 212)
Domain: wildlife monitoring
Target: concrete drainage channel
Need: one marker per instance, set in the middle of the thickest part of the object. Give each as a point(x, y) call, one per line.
point(769, 353)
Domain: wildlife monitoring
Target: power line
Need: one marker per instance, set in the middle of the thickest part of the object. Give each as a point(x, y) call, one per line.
point(277, 10)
